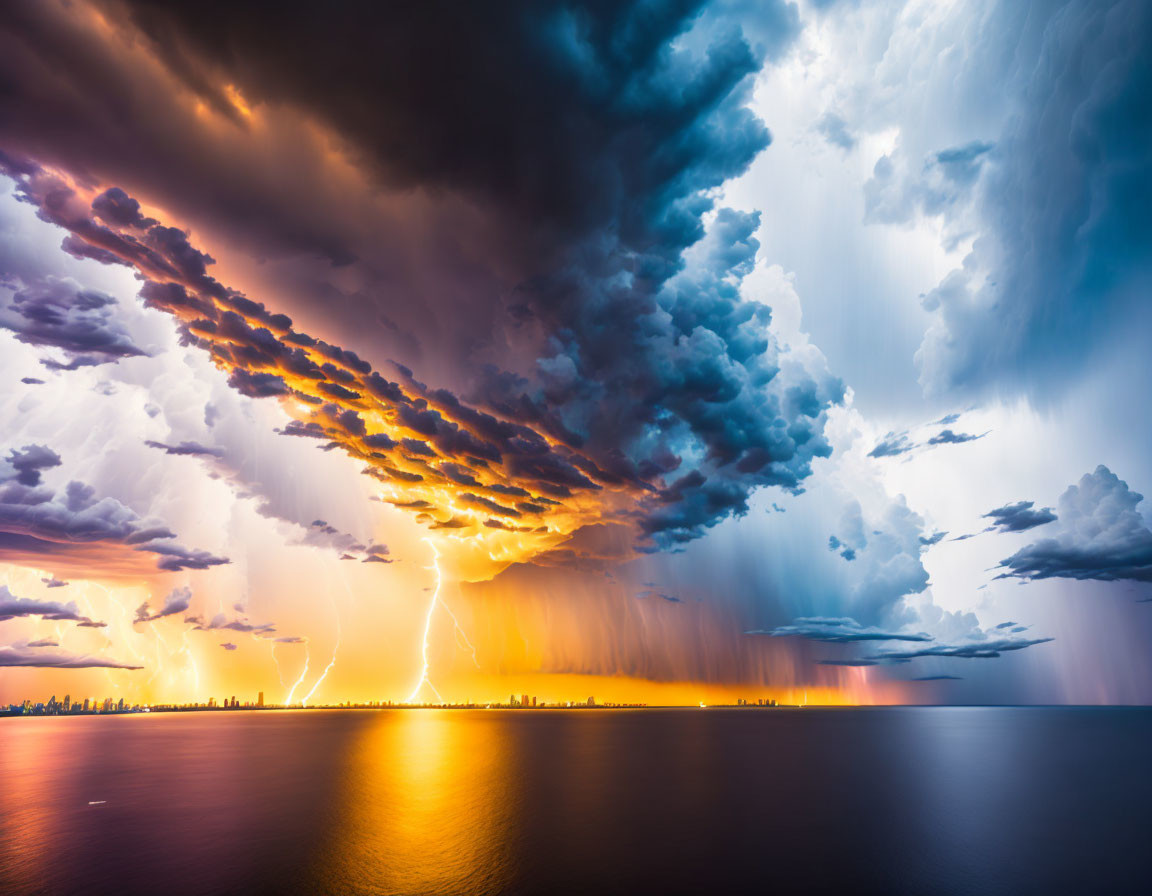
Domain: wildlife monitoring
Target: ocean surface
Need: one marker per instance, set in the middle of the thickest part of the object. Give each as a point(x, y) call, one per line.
point(915, 800)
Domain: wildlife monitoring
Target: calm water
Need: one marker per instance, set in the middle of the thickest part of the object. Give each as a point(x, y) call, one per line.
point(678, 801)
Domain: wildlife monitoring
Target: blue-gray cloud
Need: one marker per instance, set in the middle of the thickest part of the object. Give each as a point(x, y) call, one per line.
point(1020, 517)
point(13, 607)
point(177, 601)
point(1101, 535)
point(838, 630)
point(892, 445)
point(59, 313)
point(1065, 213)
point(948, 437)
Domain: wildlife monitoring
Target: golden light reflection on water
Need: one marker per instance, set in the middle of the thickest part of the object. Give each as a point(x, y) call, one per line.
point(426, 807)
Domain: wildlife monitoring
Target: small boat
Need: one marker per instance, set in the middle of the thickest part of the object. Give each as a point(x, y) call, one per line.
point(97, 802)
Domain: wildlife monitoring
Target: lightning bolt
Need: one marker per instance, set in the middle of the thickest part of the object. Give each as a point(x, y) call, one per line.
point(427, 628)
point(460, 633)
point(332, 662)
point(292, 690)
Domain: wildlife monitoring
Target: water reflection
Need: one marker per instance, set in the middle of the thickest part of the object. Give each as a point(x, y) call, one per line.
point(462, 802)
point(429, 803)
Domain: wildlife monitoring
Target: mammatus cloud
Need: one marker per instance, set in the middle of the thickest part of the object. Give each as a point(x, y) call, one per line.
point(177, 601)
point(1101, 535)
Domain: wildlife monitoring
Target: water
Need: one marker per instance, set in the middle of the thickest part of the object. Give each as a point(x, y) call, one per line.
point(555, 802)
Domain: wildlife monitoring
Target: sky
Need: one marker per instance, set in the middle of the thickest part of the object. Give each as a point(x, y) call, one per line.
point(661, 352)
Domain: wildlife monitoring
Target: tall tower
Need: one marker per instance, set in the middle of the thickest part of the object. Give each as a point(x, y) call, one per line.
point(260, 699)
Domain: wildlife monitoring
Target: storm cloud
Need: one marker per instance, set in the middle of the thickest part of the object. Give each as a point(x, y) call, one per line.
point(1020, 517)
point(1101, 536)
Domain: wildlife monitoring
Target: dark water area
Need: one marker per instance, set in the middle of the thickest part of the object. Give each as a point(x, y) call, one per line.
point(924, 800)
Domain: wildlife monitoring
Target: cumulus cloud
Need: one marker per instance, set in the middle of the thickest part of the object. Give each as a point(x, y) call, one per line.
point(1101, 535)
point(177, 601)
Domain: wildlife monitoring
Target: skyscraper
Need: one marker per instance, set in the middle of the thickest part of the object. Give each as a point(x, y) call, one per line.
point(260, 699)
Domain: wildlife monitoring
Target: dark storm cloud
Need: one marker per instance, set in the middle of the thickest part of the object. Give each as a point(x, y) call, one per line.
point(16, 656)
point(190, 449)
point(1101, 535)
point(838, 630)
point(591, 178)
point(1019, 517)
point(174, 558)
point(938, 678)
point(177, 601)
point(848, 662)
point(1066, 210)
point(26, 464)
point(12, 607)
point(58, 313)
point(948, 437)
point(38, 521)
point(989, 648)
